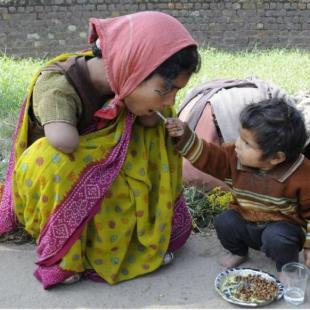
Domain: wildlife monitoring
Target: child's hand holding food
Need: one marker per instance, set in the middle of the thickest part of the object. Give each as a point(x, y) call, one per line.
point(176, 128)
point(181, 134)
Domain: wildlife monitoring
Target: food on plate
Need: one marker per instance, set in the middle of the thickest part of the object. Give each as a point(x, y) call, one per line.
point(251, 288)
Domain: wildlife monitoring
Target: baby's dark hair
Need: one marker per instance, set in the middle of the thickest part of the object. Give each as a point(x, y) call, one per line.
point(277, 127)
point(187, 59)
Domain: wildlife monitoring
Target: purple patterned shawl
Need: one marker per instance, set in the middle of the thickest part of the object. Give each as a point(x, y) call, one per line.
point(8, 220)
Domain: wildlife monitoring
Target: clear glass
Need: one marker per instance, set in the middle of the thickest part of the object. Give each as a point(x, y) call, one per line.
point(294, 278)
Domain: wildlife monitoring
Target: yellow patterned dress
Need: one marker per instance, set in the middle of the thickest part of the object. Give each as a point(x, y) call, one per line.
point(109, 208)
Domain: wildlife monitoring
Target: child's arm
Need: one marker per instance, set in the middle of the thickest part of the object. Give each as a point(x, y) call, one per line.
point(207, 157)
point(62, 136)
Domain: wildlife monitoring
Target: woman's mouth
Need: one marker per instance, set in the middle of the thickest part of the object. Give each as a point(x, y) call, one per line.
point(150, 112)
point(161, 116)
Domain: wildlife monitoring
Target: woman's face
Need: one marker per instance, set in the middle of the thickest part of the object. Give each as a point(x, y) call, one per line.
point(155, 94)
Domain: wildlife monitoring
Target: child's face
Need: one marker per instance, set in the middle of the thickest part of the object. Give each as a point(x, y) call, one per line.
point(249, 152)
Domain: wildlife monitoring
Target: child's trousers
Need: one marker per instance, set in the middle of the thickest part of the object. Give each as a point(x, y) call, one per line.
point(281, 241)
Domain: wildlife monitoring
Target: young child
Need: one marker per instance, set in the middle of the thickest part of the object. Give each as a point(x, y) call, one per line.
point(269, 179)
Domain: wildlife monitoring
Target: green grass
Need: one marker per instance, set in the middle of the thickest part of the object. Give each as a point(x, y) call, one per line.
point(289, 69)
point(15, 76)
point(204, 207)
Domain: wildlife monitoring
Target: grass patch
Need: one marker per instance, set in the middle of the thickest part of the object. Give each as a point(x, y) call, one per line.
point(203, 207)
point(289, 69)
point(15, 75)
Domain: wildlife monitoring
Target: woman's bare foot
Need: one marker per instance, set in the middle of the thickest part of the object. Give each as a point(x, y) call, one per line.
point(231, 260)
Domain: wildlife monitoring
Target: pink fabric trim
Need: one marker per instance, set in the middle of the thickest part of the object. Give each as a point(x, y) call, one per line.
point(81, 204)
point(8, 219)
point(51, 276)
point(181, 225)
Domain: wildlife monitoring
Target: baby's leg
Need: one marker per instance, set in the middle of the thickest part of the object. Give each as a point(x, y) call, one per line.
point(282, 242)
point(232, 232)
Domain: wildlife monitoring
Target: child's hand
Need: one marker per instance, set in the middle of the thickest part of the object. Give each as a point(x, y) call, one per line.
point(180, 132)
point(175, 127)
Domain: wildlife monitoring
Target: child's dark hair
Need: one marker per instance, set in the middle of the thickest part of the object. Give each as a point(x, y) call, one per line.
point(277, 126)
point(187, 59)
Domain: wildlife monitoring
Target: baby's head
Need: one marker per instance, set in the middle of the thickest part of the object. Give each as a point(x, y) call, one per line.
point(277, 128)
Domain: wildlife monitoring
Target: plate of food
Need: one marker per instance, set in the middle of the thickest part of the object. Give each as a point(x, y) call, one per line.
point(248, 287)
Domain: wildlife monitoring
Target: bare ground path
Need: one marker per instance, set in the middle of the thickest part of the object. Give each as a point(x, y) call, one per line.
point(187, 283)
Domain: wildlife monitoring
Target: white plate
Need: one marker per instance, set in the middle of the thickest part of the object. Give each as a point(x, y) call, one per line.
point(227, 293)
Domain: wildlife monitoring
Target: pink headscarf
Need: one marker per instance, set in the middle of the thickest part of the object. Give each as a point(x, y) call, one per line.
point(133, 46)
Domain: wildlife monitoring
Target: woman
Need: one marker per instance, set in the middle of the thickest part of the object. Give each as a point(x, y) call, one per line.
point(109, 205)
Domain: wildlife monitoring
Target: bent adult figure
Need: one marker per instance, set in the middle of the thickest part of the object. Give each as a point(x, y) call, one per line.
point(99, 186)
point(212, 110)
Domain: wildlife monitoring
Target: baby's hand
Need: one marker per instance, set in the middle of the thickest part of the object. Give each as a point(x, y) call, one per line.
point(183, 137)
point(175, 127)
point(179, 131)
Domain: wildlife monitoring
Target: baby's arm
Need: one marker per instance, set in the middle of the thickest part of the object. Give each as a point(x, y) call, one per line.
point(62, 136)
point(185, 140)
point(206, 157)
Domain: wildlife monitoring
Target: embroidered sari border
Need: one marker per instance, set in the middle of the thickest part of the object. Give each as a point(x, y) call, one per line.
point(66, 223)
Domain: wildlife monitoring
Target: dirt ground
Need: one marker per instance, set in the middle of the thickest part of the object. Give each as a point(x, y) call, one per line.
point(187, 283)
